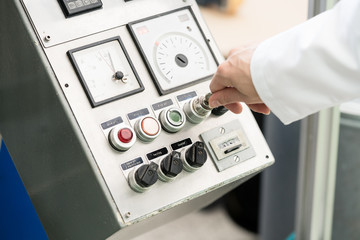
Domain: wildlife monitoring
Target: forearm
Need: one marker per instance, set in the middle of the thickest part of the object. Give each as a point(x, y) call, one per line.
point(312, 66)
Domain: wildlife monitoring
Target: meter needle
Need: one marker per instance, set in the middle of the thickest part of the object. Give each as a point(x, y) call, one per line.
point(111, 65)
point(111, 61)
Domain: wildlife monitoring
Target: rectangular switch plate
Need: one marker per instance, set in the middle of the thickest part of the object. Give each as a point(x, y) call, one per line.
point(228, 145)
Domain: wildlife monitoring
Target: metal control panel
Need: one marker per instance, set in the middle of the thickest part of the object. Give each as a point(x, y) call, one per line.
point(131, 79)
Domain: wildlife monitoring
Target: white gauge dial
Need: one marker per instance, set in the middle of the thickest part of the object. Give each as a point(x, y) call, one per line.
point(180, 59)
point(105, 71)
point(175, 50)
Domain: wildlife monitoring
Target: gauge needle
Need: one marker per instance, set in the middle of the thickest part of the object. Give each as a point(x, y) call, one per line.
point(111, 61)
point(111, 65)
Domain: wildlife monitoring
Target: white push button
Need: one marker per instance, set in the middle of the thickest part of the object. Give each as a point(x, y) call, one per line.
point(147, 128)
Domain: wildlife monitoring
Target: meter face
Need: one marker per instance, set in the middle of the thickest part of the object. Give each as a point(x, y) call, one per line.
point(105, 71)
point(174, 49)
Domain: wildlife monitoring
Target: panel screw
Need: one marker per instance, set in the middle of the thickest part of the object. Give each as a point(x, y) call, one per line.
point(128, 214)
point(236, 158)
point(222, 130)
point(47, 38)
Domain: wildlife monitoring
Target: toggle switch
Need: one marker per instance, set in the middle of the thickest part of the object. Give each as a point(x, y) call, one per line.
point(218, 111)
point(147, 128)
point(197, 109)
point(142, 178)
point(194, 157)
point(172, 119)
point(122, 138)
point(170, 166)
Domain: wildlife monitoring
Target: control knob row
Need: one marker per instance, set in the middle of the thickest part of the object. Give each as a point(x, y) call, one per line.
point(190, 159)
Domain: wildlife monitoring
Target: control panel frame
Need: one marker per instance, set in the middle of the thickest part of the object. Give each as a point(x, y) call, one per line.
point(119, 204)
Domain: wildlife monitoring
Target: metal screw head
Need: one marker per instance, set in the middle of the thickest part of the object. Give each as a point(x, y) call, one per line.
point(128, 214)
point(236, 158)
point(124, 79)
point(222, 130)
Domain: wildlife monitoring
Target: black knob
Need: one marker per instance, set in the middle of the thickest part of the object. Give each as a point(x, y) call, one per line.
point(196, 155)
point(219, 111)
point(119, 75)
point(171, 165)
point(146, 175)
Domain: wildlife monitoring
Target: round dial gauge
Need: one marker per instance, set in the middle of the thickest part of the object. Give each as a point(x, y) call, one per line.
point(105, 71)
point(180, 59)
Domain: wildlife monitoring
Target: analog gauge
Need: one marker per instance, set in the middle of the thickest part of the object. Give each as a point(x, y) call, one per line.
point(105, 71)
point(177, 55)
point(174, 49)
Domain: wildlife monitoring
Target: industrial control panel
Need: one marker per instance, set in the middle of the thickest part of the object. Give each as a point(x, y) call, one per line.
point(133, 78)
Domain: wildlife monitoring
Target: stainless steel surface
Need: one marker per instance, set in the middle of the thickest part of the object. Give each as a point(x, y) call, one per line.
point(78, 181)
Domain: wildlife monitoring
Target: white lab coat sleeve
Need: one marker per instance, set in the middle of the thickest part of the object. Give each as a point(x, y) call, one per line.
point(312, 66)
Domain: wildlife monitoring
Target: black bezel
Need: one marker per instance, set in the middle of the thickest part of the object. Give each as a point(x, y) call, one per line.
point(147, 63)
point(83, 82)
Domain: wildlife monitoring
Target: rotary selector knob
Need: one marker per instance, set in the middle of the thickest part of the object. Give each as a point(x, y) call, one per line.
point(147, 128)
point(170, 166)
point(194, 157)
point(122, 138)
point(142, 178)
point(172, 119)
point(197, 109)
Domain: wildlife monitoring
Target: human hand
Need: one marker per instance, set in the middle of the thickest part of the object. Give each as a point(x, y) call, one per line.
point(232, 83)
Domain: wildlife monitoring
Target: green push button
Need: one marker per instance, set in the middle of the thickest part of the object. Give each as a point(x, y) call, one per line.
point(175, 116)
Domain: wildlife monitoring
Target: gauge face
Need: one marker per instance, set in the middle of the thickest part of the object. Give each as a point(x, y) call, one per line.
point(105, 71)
point(174, 49)
point(176, 55)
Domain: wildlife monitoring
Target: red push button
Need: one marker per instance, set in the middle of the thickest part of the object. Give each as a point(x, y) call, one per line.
point(125, 135)
point(122, 137)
